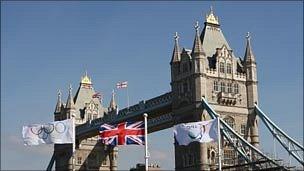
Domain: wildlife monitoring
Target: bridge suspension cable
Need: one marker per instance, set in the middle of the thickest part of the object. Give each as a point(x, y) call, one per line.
point(290, 145)
point(51, 163)
point(248, 152)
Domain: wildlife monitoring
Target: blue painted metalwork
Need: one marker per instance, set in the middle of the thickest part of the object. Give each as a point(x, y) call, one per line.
point(51, 163)
point(247, 151)
point(293, 148)
point(148, 106)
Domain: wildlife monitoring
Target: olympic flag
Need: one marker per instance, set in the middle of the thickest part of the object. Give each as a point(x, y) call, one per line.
point(204, 131)
point(58, 132)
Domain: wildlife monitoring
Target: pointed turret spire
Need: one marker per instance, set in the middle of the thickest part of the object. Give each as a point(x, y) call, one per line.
point(211, 18)
point(86, 81)
point(112, 105)
point(197, 45)
point(59, 103)
point(249, 57)
point(70, 103)
point(176, 52)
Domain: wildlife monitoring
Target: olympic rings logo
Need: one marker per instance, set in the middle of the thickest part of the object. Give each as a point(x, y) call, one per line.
point(43, 131)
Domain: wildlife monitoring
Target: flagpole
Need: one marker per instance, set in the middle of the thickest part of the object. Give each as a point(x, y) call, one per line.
point(146, 141)
point(128, 101)
point(74, 145)
point(219, 143)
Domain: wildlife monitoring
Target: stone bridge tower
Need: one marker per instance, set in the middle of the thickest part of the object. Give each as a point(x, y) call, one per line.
point(229, 84)
point(90, 154)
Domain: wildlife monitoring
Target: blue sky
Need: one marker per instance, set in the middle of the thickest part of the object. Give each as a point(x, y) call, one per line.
point(45, 46)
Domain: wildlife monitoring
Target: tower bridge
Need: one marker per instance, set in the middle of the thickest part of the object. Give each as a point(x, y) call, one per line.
point(207, 81)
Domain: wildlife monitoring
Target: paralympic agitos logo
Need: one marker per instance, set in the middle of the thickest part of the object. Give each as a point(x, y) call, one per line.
point(197, 133)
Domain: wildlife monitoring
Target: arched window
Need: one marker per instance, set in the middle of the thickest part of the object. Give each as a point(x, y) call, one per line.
point(223, 87)
point(230, 121)
point(229, 88)
point(236, 88)
point(212, 156)
point(229, 69)
point(215, 86)
point(222, 67)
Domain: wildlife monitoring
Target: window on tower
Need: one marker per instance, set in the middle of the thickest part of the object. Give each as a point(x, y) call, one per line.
point(243, 129)
point(79, 160)
point(229, 88)
point(215, 86)
point(223, 87)
point(230, 121)
point(236, 88)
point(104, 162)
point(229, 68)
point(222, 67)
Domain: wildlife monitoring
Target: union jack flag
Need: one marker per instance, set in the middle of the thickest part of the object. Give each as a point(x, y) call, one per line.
point(124, 133)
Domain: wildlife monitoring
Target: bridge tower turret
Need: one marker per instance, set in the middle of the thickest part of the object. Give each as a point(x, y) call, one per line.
point(229, 84)
point(188, 84)
point(112, 105)
point(59, 108)
point(252, 90)
point(90, 154)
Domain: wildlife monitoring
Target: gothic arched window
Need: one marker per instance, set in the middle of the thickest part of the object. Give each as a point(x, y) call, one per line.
point(229, 68)
point(215, 86)
point(230, 121)
point(223, 87)
point(222, 67)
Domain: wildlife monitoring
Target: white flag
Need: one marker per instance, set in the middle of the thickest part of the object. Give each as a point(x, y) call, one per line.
point(204, 131)
point(58, 132)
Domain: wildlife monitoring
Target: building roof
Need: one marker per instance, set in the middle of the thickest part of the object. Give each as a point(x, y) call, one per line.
point(249, 56)
point(84, 95)
point(212, 36)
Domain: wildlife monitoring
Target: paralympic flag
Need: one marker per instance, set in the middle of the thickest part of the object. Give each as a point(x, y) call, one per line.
point(204, 131)
point(58, 132)
point(124, 133)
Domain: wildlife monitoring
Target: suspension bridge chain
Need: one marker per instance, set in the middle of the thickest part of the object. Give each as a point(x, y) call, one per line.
point(249, 155)
point(293, 148)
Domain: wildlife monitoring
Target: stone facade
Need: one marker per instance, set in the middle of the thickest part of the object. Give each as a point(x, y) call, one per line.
point(229, 84)
point(90, 154)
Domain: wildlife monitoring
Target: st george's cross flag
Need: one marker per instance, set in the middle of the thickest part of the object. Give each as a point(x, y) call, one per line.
point(124, 133)
point(123, 84)
point(58, 132)
point(204, 131)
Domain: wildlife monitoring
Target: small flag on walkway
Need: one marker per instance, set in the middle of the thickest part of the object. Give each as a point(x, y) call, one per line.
point(124, 133)
point(97, 95)
point(58, 132)
point(123, 84)
point(204, 131)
